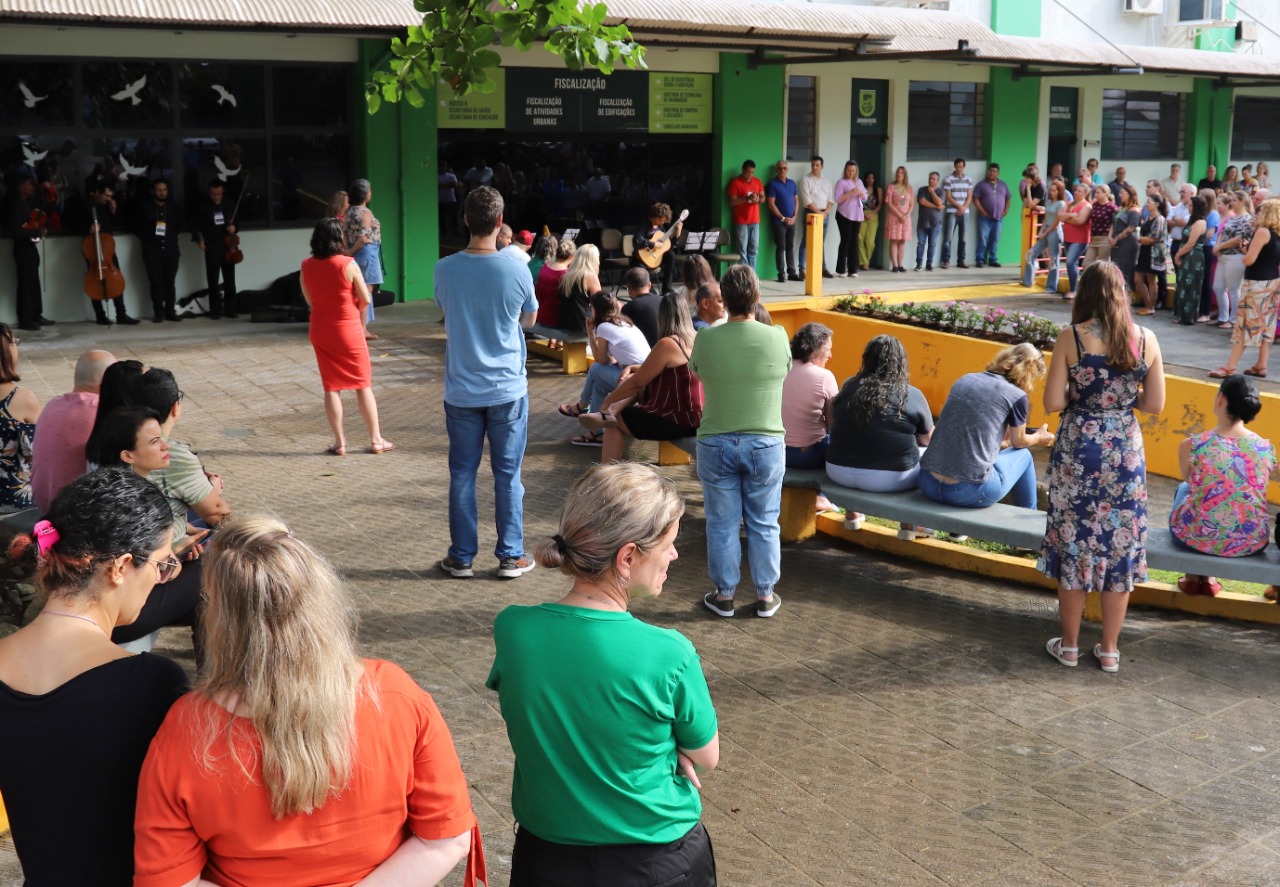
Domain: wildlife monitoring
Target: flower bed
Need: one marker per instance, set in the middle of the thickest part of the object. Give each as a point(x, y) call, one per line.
point(962, 318)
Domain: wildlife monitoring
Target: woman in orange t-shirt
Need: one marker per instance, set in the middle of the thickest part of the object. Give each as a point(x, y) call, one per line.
point(294, 762)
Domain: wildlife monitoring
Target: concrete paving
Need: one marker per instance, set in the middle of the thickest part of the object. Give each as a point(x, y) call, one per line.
point(893, 725)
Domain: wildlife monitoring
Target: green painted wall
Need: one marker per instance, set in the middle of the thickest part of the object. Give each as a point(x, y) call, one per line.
point(395, 150)
point(749, 121)
point(1208, 129)
point(1012, 121)
point(1018, 18)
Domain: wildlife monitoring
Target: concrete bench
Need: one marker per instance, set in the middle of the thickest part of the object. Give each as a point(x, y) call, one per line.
point(574, 356)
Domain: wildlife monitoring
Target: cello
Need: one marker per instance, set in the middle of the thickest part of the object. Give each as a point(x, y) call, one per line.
point(103, 279)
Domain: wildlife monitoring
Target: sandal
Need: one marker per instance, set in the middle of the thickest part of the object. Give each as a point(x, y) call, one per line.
point(1145, 312)
point(1256, 373)
point(1099, 655)
point(597, 421)
point(385, 446)
point(337, 450)
point(572, 410)
point(1055, 649)
point(1222, 373)
point(1210, 586)
point(587, 439)
point(1190, 585)
point(1225, 325)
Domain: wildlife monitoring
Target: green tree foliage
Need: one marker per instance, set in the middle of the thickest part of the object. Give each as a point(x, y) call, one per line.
point(455, 43)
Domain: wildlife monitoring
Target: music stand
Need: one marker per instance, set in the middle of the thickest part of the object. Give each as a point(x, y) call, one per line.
point(570, 234)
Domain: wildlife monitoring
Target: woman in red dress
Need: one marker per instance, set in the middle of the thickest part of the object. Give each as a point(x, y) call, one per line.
point(336, 291)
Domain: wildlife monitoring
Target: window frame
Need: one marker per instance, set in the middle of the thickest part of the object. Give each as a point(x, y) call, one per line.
point(1117, 150)
point(1241, 143)
point(921, 139)
point(812, 89)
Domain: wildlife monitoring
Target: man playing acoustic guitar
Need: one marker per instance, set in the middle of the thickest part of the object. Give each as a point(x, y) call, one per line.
point(656, 236)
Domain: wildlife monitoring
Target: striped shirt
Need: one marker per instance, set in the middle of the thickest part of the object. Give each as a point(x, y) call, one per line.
point(958, 187)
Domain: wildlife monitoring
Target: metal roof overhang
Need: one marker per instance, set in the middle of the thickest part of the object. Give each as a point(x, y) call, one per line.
point(364, 18)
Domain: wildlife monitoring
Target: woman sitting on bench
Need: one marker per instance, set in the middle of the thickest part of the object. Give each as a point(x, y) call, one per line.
point(880, 426)
point(1221, 506)
point(616, 344)
point(978, 454)
point(579, 282)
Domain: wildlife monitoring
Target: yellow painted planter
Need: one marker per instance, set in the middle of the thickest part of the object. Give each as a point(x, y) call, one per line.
point(938, 359)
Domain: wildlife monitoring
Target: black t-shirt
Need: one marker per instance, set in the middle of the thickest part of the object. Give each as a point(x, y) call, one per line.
point(889, 443)
point(1267, 265)
point(1215, 184)
point(69, 764)
point(643, 312)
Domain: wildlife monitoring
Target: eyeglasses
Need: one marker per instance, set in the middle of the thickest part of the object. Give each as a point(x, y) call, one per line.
point(166, 569)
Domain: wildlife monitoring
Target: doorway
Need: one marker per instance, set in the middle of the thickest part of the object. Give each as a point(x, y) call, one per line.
point(868, 134)
point(1064, 102)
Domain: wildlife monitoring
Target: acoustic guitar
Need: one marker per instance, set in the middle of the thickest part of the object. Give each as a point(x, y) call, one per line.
point(651, 257)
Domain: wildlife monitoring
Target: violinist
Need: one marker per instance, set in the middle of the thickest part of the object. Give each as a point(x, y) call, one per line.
point(102, 203)
point(25, 223)
point(215, 233)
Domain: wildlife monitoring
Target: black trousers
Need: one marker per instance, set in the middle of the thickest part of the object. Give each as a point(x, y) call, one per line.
point(162, 277)
point(1206, 285)
point(26, 258)
point(784, 236)
point(847, 253)
point(662, 276)
point(687, 862)
point(101, 312)
point(215, 263)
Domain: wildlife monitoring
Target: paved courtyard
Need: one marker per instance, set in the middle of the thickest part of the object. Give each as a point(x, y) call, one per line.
point(893, 725)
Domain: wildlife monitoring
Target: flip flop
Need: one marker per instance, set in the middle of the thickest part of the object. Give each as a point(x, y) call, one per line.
point(572, 410)
point(337, 450)
point(1256, 373)
point(1225, 325)
point(1222, 373)
point(587, 439)
point(1145, 312)
point(385, 447)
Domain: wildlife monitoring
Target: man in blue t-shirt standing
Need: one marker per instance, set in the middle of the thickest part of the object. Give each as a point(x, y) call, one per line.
point(487, 298)
point(781, 198)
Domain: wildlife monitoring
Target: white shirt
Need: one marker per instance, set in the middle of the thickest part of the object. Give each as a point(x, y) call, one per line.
point(627, 345)
point(1171, 189)
point(815, 190)
point(516, 253)
point(1178, 218)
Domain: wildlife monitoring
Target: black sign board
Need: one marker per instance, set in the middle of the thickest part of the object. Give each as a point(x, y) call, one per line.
point(870, 108)
point(558, 101)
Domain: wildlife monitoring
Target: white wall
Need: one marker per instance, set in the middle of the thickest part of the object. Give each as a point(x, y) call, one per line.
point(155, 43)
point(267, 255)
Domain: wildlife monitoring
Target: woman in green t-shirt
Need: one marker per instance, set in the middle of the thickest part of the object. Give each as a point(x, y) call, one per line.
point(610, 718)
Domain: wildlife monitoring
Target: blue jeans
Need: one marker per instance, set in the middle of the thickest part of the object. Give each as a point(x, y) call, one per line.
point(812, 456)
point(507, 427)
point(741, 478)
point(926, 238)
point(1051, 246)
point(988, 240)
point(953, 225)
point(748, 237)
point(1074, 252)
point(1014, 471)
point(602, 378)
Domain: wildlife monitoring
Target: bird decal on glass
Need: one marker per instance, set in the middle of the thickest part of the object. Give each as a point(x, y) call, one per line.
point(29, 98)
point(223, 169)
point(223, 95)
point(129, 171)
point(131, 91)
point(32, 158)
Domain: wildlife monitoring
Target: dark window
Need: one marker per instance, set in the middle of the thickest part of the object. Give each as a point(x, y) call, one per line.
point(802, 116)
point(1255, 131)
point(278, 133)
point(1142, 125)
point(945, 120)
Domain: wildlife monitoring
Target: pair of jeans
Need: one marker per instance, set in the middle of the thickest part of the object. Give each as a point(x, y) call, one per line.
point(953, 225)
point(1074, 252)
point(1227, 277)
point(784, 238)
point(741, 478)
point(812, 456)
point(1206, 282)
point(1050, 245)
point(748, 237)
point(988, 240)
point(847, 252)
point(926, 236)
point(507, 427)
point(602, 378)
point(804, 236)
point(1014, 472)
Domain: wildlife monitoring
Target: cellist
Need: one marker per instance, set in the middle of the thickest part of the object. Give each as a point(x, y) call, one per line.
point(102, 204)
point(213, 225)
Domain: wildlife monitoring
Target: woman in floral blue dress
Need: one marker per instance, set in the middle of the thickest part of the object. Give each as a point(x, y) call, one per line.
point(1104, 367)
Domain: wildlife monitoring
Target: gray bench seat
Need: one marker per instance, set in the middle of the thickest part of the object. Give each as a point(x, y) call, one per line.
point(538, 331)
point(573, 354)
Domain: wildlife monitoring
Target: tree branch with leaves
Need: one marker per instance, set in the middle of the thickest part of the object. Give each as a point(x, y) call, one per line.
point(455, 44)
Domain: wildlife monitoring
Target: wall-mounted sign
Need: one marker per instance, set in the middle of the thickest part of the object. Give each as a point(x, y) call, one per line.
point(475, 110)
point(1063, 101)
point(547, 100)
point(870, 108)
point(680, 102)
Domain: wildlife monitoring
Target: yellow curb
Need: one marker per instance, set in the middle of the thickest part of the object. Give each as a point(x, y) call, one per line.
point(4, 819)
point(1160, 595)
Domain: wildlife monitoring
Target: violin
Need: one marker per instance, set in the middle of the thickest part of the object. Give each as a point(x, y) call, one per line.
point(103, 280)
point(234, 254)
point(35, 221)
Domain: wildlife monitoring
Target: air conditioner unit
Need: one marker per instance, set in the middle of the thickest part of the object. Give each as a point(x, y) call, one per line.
point(1193, 11)
point(1144, 7)
point(1246, 32)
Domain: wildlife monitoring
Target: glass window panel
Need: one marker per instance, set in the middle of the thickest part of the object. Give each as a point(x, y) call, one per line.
point(55, 160)
point(240, 163)
point(801, 117)
point(128, 95)
point(1256, 128)
point(36, 94)
point(220, 95)
point(961, 105)
point(312, 96)
point(133, 164)
point(306, 170)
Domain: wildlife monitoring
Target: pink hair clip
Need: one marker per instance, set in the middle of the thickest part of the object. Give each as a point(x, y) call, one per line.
point(45, 536)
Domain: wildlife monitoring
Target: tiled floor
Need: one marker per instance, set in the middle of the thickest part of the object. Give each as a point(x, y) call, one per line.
point(893, 725)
